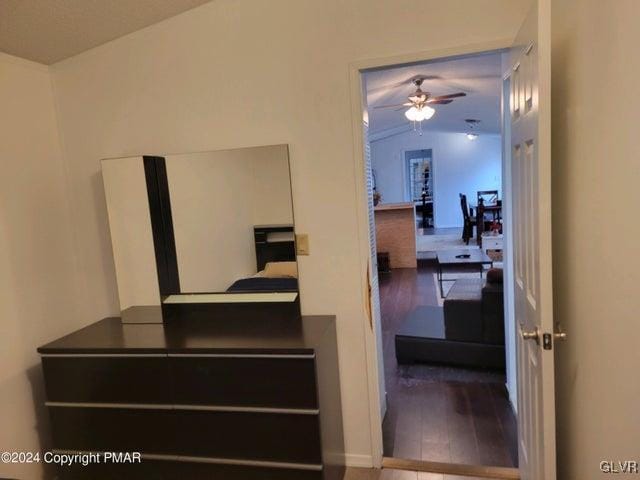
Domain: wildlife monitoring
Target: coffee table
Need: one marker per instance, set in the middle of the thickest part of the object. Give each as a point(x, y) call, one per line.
point(460, 260)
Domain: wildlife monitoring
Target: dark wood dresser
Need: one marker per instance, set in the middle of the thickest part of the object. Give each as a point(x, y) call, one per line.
point(250, 399)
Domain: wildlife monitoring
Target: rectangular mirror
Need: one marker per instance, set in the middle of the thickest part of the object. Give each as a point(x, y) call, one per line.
point(189, 225)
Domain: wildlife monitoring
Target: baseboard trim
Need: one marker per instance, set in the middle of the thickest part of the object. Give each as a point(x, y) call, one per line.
point(481, 471)
point(357, 460)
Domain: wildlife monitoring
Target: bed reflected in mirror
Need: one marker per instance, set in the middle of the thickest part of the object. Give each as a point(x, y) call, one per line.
point(185, 226)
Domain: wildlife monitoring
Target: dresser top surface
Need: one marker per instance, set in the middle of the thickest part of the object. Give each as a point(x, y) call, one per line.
point(245, 336)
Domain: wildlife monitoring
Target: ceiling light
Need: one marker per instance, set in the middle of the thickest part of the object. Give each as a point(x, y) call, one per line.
point(427, 112)
point(419, 110)
point(418, 115)
point(472, 123)
point(412, 114)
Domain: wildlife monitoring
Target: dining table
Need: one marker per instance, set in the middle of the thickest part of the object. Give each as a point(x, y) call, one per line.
point(494, 208)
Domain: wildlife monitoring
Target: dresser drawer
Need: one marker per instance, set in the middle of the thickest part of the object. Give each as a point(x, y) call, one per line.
point(176, 470)
point(274, 437)
point(112, 429)
point(203, 471)
point(278, 381)
point(146, 470)
point(104, 379)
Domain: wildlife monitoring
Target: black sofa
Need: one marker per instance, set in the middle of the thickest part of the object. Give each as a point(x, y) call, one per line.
point(468, 331)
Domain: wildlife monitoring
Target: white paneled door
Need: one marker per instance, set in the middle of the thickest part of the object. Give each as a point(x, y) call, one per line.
point(530, 104)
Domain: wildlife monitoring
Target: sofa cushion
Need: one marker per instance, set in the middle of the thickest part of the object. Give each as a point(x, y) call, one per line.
point(463, 311)
point(495, 275)
point(493, 313)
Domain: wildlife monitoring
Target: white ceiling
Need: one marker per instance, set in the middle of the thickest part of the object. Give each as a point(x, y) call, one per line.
point(48, 31)
point(478, 76)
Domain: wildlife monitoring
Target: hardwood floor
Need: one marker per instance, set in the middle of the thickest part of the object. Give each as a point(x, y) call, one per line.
point(439, 413)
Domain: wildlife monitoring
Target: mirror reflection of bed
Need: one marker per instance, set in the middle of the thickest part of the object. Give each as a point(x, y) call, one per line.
point(201, 223)
point(276, 266)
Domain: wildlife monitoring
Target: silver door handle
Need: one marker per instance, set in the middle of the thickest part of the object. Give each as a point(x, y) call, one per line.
point(533, 335)
point(560, 335)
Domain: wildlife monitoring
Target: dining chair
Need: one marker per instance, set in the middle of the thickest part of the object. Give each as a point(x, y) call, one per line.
point(469, 221)
point(488, 197)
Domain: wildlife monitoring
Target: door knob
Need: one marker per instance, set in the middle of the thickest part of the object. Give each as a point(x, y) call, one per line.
point(560, 335)
point(534, 335)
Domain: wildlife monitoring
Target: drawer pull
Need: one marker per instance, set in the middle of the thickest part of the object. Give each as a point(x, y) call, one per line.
point(138, 406)
point(248, 463)
point(207, 408)
point(103, 355)
point(199, 408)
point(184, 355)
point(212, 460)
point(242, 355)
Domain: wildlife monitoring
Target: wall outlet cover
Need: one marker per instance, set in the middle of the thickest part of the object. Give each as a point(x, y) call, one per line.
point(302, 244)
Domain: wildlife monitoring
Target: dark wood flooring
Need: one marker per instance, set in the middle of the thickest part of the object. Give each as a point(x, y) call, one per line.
point(440, 413)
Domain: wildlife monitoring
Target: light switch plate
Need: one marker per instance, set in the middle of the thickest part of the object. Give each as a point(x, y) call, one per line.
point(302, 244)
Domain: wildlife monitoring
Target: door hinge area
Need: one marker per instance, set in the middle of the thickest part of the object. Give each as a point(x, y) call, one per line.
point(547, 341)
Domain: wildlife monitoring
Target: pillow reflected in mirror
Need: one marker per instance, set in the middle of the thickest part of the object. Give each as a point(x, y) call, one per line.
point(281, 270)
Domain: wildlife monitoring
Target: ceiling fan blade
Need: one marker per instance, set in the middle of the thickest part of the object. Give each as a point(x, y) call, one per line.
point(446, 97)
point(388, 86)
point(404, 107)
point(439, 102)
point(389, 106)
point(396, 105)
point(406, 82)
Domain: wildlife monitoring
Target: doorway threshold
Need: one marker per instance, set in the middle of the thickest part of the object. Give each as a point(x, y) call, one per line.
point(464, 470)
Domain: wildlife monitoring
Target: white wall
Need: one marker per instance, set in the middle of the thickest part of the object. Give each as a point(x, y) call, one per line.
point(241, 73)
point(596, 173)
point(459, 166)
point(38, 292)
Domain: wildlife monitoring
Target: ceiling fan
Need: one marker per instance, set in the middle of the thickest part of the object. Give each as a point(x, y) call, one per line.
point(419, 103)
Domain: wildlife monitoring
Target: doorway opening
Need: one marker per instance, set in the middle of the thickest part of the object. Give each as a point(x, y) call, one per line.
point(446, 333)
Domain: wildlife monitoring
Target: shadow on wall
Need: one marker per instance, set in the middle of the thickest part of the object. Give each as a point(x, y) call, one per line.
point(104, 241)
point(42, 426)
point(563, 94)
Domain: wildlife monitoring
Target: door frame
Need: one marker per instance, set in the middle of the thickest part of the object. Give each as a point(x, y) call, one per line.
point(356, 69)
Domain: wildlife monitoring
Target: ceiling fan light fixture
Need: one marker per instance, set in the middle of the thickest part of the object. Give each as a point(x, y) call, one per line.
point(472, 136)
point(412, 114)
point(418, 114)
point(427, 112)
point(418, 101)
